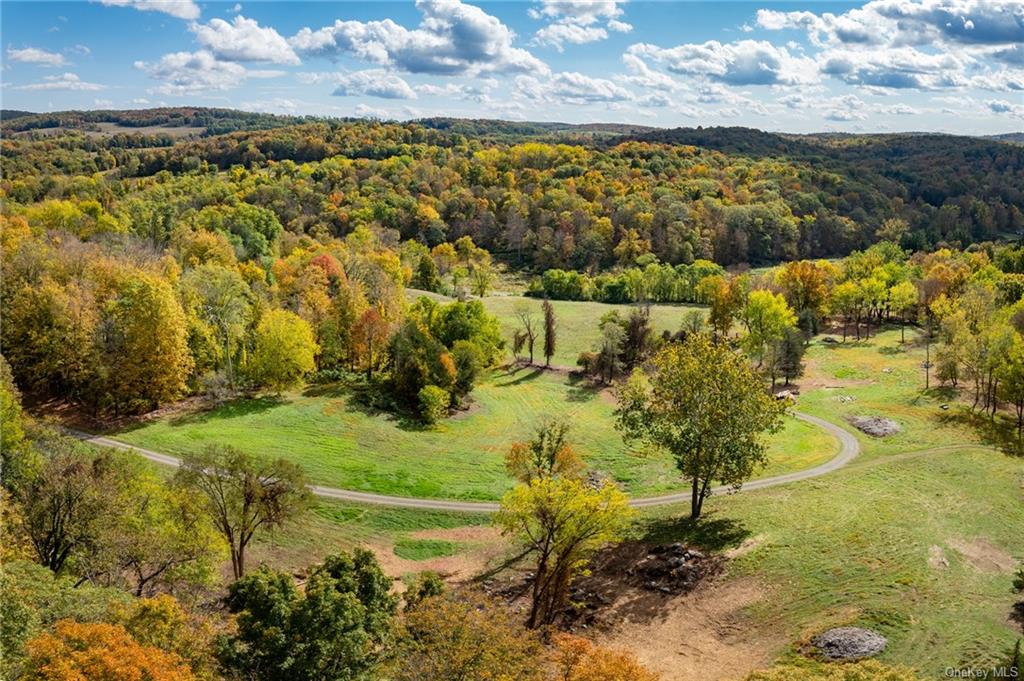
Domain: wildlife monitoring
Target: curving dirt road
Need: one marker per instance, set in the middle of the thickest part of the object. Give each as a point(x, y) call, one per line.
point(849, 448)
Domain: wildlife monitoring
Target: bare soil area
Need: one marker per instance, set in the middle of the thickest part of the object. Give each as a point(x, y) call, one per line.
point(702, 635)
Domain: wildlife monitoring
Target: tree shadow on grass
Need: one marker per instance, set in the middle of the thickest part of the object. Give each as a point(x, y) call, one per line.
point(708, 533)
point(998, 432)
point(527, 375)
point(229, 410)
point(331, 390)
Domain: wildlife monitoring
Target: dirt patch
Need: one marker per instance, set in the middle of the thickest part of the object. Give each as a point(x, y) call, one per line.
point(937, 558)
point(749, 544)
point(461, 567)
point(702, 635)
point(983, 555)
point(471, 534)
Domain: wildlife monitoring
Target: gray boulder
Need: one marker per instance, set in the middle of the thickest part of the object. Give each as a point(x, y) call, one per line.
point(875, 426)
point(849, 643)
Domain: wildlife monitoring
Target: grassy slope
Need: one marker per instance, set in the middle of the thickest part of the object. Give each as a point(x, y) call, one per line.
point(334, 526)
point(852, 547)
point(339, 444)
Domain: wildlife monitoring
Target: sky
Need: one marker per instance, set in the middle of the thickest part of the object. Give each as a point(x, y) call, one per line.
point(878, 66)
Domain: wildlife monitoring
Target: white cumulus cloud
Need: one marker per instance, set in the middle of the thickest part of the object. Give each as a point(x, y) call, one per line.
point(244, 39)
point(65, 81)
point(372, 83)
point(185, 73)
point(745, 62)
point(453, 38)
point(182, 9)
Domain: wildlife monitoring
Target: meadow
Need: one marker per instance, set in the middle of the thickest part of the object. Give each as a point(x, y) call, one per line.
point(343, 444)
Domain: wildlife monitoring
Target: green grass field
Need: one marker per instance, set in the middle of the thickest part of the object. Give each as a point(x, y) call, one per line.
point(852, 548)
point(881, 377)
point(340, 444)
point(918, 544)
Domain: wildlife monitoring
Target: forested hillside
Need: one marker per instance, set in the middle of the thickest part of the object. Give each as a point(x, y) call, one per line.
point(733, 196)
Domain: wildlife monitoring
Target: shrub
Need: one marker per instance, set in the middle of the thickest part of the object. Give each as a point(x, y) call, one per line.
point(434, 403)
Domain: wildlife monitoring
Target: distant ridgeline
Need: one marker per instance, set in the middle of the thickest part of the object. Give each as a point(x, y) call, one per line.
point(537, 195)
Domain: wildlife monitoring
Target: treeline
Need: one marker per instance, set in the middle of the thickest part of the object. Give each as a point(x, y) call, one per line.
point(583, 206)
point(226, 301)
point(970, 304)
point(655, 283)
point(215, 121)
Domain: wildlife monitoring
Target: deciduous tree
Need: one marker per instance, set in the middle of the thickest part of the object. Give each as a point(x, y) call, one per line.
point(550, 331)
point(338, 628)
point(705, 406)
point(284, 350)
point(244, 495)
point(466, 638)
point(561, 521)
point(76, 651)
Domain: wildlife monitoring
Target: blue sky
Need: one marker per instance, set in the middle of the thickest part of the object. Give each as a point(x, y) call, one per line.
point(882, 65)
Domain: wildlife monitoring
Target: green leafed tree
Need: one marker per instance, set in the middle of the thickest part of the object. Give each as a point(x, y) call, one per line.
point(338, 628)
point(702, 404)
point(284, 351)
point(244, 495)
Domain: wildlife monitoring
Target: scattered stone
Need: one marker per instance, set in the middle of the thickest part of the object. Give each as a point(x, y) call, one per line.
point(887, 370)
point(785, 395)
point(876, 426)
point(829, 339)
point(944, 407)
point(849, 643)
point(846, 398)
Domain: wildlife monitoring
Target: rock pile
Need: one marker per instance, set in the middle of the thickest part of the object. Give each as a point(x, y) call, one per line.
point(670, 569)
point(875, 426)
point(848, 643)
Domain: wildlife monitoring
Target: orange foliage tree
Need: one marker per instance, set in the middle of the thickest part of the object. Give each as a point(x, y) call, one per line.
point(577, 659)
point(99, 652)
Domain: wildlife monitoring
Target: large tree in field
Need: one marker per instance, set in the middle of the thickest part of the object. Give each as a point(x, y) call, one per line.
point(704, 405)
point(244, 495)
point(285, 350)
point(527, 327)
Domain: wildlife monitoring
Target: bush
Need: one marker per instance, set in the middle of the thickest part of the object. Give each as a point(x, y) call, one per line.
point(434, 403)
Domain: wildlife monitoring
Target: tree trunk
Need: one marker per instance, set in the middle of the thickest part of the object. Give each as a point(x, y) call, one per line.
point(695, 500)
point(238, 561)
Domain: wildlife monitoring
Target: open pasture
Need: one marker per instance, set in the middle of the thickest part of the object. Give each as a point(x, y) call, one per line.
point(343, 444)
